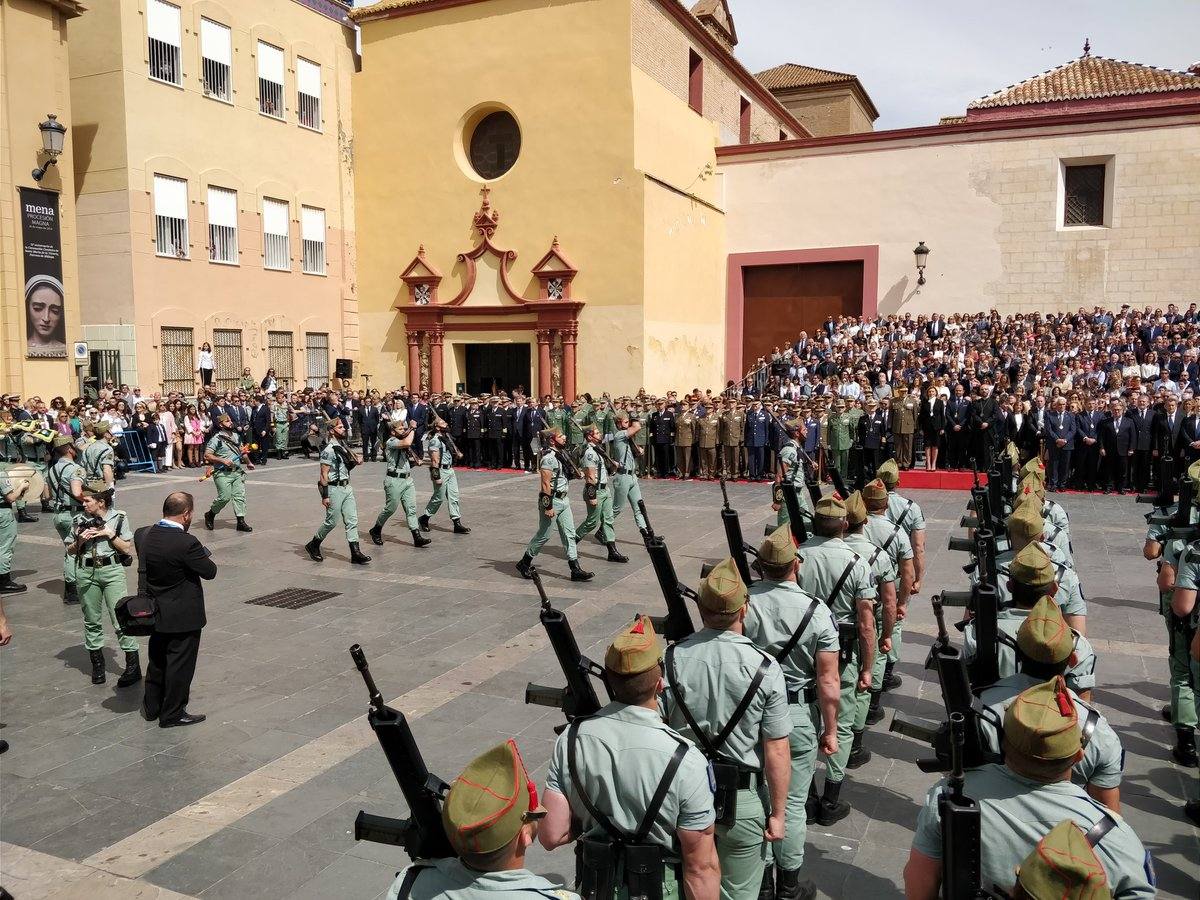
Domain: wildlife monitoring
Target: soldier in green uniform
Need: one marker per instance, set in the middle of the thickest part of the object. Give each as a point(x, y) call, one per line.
point(556, 414)
point(1185, 608)
point(906, 412)
point(1045, 650)
point(99, 537)
point(337, 495)
point(624, 775)
point(442, 455)
point(491, 816)
point(707, 427)
point(1023, 798)
point(66, 480)
point(604, 420)
point(854, 459)
point(1024, 527)
point(907, 514)
point(13, 451)
point(838, 438)
point(1064, 866)
point(37, 449)
point(224, 453)
point(11, 491)
point(685, 440)
point(733, 439)
point(790, 470)
point(641, 415)
point(281, 418)
point(833, 572)
point(729, 698)
point(625, 487)
point(99, 459)
point(576, 423)
point(598, 497)
point(398, 488)
point(799, 632)
point(554, 507)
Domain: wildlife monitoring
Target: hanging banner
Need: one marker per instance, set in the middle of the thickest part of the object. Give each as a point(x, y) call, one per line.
point(45, 323)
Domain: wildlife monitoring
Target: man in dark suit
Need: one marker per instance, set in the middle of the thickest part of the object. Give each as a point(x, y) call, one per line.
point(1118, 437)
point(958, 425)
point(985, 417)
point(419, 413)
point(174, 562)
point(1143, 422)
point(1167, 428)
point(662, 424)
point(1087, 446)
point(1189, 437)
point(369, 414)
point(1060, 443)
point(260, 429)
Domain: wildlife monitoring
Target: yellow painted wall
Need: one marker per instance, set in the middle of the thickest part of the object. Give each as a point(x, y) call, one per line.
point(34, 81)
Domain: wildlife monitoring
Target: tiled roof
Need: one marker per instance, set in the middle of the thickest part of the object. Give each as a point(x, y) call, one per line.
point(791, 75)
point(952, 120)
point(383, 6)
point(1090, 77)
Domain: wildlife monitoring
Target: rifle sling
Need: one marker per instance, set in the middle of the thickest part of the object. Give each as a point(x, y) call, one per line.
point(886, 544)
point(712, 748)
point(410, 879)
point(798, 633)
point(1096, 833)
point(837, 587)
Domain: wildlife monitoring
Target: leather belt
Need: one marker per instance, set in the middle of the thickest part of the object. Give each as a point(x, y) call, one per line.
point(560, 494)
point(748, 779)
point(4, 504)
point(392, 473)
point(98, 562)
point(339, 483)
point(809, 695)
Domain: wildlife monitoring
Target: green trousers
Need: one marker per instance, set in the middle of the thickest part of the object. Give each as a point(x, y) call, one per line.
point(399, 492)
point(64, 524)
point(446, 492)
point(564, 520)
point(8, 539)
point(1179, 665)
point(231, 486)
point(742, 849)
point(626, 489)
point(877, 667)
point(835, 766)
point(806, 718)
point(341, 506)
point(99, 589)
point(281, 436)
point(840, 460)
point(599, 515)
point(897, 631)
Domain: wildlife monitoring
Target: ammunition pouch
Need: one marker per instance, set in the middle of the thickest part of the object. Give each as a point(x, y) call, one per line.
point(597, 861)
point(589, 492)
point(808, 696)
point(777, 493)
point(727, 778)
point(545, 501)
point(847, 643)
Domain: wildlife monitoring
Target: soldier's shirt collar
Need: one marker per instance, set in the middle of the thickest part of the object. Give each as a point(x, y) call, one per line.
point(638, 715)
point(818, 541)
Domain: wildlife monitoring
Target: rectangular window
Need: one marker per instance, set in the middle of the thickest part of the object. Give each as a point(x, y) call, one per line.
point(270, 80)
point(178, 351)
point(312, 234)
point(316, 352)
point(1083, 195)
point(222, 225)
point(695, 81)
point(744, 122)
point(279, 357)
point(216, 58)
point(227, 358)
point(277, 253)
point(308, 93)
point(170, 216)
point(163, 30)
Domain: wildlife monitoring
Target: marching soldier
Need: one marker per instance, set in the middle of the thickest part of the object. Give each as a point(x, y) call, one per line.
point(833, 572)
point(1187, 612)
point(442, 454)
point(554, 507)
point(229, 461)
point(729, 698)
point(733, 439)
point(791, 471)
point(905, 414)
point(337, 494)
point(907, 514)
point(11, 491)
point(708, 427)
point(633, 783)
point(838, 437)
point(14, 451)
point(282, 418)
point(603, 419)
point(685, 440)
point(1025, 526)
point(625, 481)
point(598, 498)
point(398, 488)
point(798, 630)
point(66, 480)
point(577, 423)
point(1063, 864)
point(99, 459)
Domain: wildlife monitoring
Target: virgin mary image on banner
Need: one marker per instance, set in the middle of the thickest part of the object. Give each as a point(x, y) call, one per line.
point(45, 330)
point(45, 320)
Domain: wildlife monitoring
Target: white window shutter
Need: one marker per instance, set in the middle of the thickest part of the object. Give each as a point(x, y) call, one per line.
point(222, 207)
point(170, 197)
point(162, 22)
point(216, 42)
point(270, 63)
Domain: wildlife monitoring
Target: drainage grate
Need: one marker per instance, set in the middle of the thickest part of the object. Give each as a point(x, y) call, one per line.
point(292, 598)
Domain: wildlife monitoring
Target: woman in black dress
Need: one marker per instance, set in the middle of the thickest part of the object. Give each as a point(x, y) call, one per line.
point(933, 425)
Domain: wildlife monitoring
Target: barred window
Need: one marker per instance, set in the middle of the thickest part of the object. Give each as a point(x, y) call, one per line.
point(279, 357)
point(227, 358)
point(270, 80)
point(308, 93)
point(277, 252)
point(216, 58)
point(312, 233)
point(1083, 195)
point(177, 348)
point(222, 225)
point(163, 32)
point(170, 216)
point(316, 352)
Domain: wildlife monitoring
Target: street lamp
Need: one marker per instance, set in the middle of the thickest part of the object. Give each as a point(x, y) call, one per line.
point(54, 135)
point(922, 254)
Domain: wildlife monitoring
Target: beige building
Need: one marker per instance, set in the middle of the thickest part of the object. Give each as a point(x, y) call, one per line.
point(35, 82)
point(215, 194)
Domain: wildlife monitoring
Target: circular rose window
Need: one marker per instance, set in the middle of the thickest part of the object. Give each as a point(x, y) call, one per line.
point(495, 144)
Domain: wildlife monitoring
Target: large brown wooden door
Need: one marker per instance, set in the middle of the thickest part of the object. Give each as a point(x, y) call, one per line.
point(781, 301)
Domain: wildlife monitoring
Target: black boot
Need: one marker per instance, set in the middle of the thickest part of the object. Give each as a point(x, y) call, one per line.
point(70, 593)
point(788, 886)
point(875, 710)
point(525, 566)
point(1185, 746)
point(1165, 712)
point(812, 805)
point(615, 555)
point(97, 666)
point(418, 540)
point(1191, 809)
point(46, 507)
point(357, 556)
point(210, 519)
point(242, 526)
point(8, 586)
point(133, 670)
point(24, 516)
point(891, 681)
point(766, 890)
point(424, 523)
point(859, 755)
point(831, 810)
point(459, 527)
point(376, 534)
point(577, 573)
point(314, 550)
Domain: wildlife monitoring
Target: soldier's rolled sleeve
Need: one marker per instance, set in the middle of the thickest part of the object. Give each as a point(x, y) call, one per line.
point(124, 531)
point(547, 462)
point(1082, 675)
point(826, 631)
point(556, 773)
point(1105, 756)
point(927, 839)
point(695, 793)
point(862, 582)
point(777, 718)
point(1188, 574)
point(905, 544)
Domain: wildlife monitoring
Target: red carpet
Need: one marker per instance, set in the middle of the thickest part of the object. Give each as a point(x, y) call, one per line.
point(944, 481)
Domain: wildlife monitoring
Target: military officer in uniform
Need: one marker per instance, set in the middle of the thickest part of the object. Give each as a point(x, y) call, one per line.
point(281, 419)
point(224, 453)
point(442, 455)
point(625, 487)
point(663, 424)
point(576, 425)
point(905, 414)
point(598, 497)
point(733, 439)
point(837, 437)
point(99, 459)
point(337, 495)
point(798, 630)
point(906, 513)
point(11, 491)
point(1024, 797)
point(685, 440)
point(757, 427)
point(1187, 611)
point(66, 479)
point(554, 507)
point(476, 426)
point(602, 418)
point(791, 471)
point(624, 774)
point(491, 816)
point(873, 430)
point(641, 413)
point(398, 487)
point(729, 698)
point(708, 427)
point(855, 477)
point(833, 572)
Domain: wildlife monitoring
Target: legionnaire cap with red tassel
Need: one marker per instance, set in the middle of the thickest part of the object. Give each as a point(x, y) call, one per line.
point(1042, 724)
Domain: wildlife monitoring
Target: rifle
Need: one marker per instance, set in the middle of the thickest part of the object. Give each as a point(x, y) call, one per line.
point(839, 483)
point(1166, 485)
point(962, 849)
point(795, 521)
point(578, 699)
point(649, 534)
point(1179, 523)
point(980, 504)
point(984, 603)
point(677, 624)
point(942, 641)
point(738, 548)
point(422, 835)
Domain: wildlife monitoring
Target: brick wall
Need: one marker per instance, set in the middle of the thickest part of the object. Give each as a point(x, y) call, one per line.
point(828, 112)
